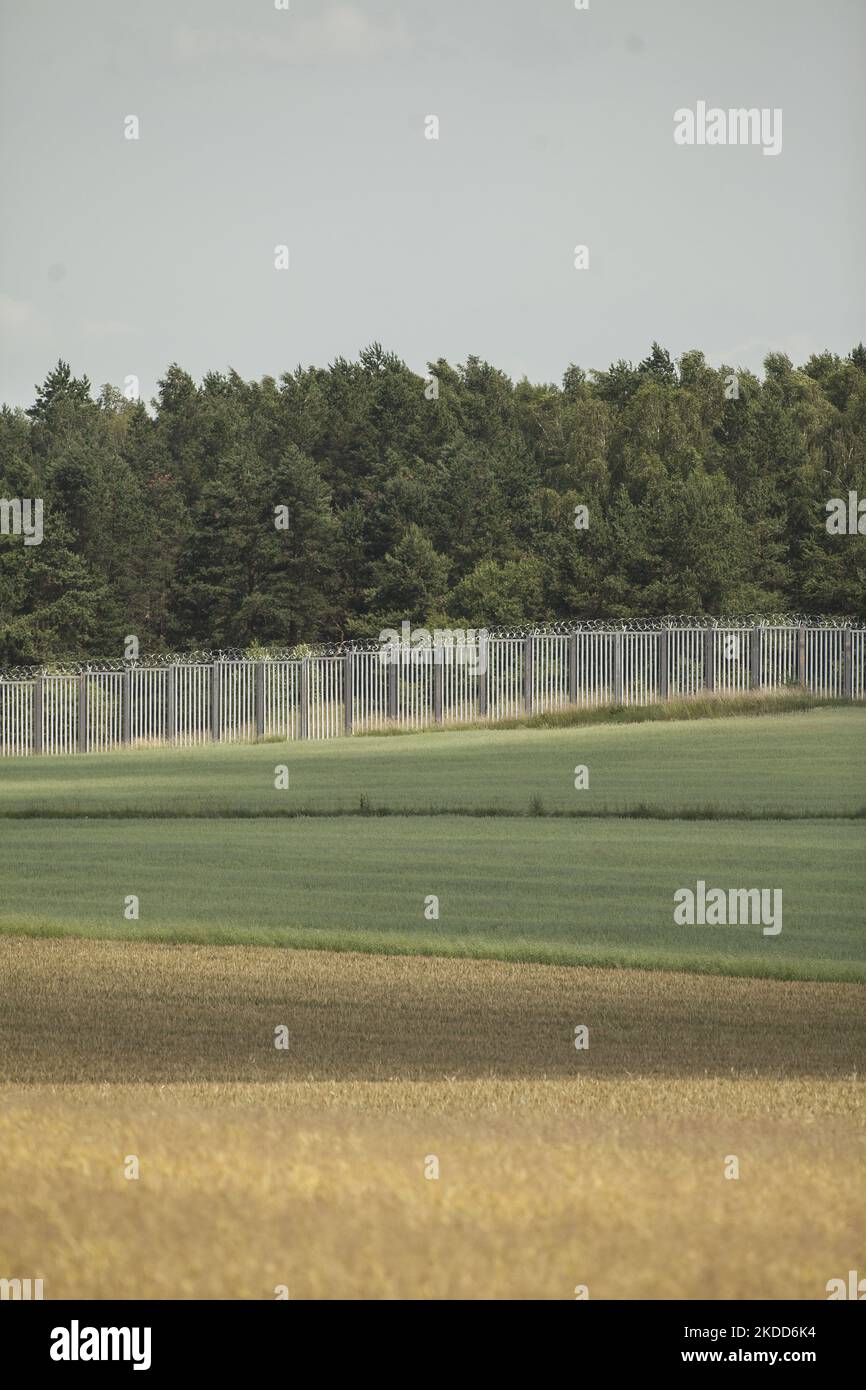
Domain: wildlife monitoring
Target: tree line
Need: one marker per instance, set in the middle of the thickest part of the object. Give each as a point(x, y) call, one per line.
point(333, 502)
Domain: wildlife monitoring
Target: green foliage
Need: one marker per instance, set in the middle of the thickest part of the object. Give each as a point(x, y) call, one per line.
point(453, 506)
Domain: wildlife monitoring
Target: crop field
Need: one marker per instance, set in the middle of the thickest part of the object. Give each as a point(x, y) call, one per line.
point(427, 1126)
point(306, 1167)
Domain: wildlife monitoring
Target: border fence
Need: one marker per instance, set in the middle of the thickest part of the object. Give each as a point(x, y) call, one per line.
point(450, 677)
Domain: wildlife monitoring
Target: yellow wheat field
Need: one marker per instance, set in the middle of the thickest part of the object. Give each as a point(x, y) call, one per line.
point(305, 1167)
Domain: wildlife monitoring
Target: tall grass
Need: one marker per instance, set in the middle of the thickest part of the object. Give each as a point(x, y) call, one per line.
point(705, 706)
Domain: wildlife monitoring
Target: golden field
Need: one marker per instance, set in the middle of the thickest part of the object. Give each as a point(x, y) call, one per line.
point(306, 1166)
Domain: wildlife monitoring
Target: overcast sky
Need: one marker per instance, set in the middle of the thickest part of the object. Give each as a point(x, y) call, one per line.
point(261, 127)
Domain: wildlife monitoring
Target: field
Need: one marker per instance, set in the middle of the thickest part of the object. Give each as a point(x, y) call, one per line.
point(409, 1040)
point(804, 764)
point(525, 867)
point(589, 892)
point(306, 1166)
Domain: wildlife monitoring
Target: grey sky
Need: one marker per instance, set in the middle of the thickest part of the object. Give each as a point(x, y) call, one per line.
point(261, 127)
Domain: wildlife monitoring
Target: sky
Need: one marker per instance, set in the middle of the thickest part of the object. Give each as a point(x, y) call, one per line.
point(306, 127)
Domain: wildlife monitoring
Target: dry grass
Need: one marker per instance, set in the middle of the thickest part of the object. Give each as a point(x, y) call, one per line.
point(717, 704)
point(306, 1167)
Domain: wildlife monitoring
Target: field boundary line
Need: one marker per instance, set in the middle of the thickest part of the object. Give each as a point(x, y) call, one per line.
point(641, 812)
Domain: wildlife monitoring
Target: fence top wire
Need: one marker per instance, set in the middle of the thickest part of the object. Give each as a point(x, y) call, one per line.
point(458, 636)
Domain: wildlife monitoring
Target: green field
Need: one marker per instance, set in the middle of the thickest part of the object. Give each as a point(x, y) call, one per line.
point(804, 764)
point(225, 857)
point(594, 892)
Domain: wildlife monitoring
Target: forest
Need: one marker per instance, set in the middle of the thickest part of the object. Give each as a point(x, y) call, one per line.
point(330, 503)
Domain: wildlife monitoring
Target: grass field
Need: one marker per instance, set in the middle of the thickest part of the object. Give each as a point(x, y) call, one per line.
point(806, 764)
point(229, 858)
point(593, 892)
point(409, 1039)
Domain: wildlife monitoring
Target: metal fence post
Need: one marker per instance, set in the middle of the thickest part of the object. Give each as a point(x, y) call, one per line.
point(483, 687)
point(801, 654)
point(709, 658)
point(215, 702)
point(664, 648)
point(755, 657)
point(37, 715)
point(259, 698)
point(82, 713)
point(393, 672)
point(572, 669)
point(617, 668)
point(171, 704)
point(126, 707)
point(348, 690)
point(304, 698)
point(528, 668)
point(848, 664)
point(437, 683)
